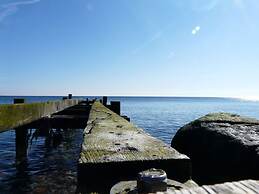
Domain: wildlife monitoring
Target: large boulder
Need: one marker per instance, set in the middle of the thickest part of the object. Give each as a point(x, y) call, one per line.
point(222, 147)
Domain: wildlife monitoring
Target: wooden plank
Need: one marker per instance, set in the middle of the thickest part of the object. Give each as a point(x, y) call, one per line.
point(178, 192)
point(222, 188)
point(208, 189)
point(233, 188)
point(198, 190)
point(15, 115)
point(185, 191)
point(249, 184)
point(244, 188)
point(245, 183)
point(114, 148)
point(241, 187)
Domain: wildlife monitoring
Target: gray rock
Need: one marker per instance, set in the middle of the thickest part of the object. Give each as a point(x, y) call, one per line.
point(222, 147)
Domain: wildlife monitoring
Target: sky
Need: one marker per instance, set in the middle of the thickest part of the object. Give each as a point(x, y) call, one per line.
point(130, 47)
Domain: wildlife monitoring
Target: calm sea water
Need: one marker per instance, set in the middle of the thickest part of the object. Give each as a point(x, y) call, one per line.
point(53, 168)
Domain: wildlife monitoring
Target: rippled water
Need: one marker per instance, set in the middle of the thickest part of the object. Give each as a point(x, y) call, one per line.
point(162, 117)
point(48, 169)
point(52, 169)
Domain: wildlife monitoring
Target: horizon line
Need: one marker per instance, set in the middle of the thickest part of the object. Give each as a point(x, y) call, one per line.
point(166, 96)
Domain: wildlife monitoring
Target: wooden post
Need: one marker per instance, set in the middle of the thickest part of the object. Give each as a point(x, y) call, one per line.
point(21, 144)
point(21, 139)
point(116, 107)
point(104, 100)
point(18, 100)
point(69, 96)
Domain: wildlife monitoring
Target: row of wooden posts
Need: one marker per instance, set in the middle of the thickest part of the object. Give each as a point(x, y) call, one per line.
point(22, 137)
point(21, 132)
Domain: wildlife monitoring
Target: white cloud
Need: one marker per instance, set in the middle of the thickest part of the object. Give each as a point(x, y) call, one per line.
point(6, 12)
point(196, 30)
point(11, 8)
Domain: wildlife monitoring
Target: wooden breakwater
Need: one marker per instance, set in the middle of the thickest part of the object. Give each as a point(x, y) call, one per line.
point(21, 116)
point(114, 149)
point(16, 115)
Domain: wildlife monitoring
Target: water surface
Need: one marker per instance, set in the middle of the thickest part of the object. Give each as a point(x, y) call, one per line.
point(53, 168)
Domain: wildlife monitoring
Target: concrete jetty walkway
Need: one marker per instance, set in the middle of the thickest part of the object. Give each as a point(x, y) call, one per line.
point(115, 149)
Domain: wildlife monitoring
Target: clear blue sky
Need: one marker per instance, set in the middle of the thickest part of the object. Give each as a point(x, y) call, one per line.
point(130, 47)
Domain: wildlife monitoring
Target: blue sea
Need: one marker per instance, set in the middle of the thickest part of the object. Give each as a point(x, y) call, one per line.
point(53, 170)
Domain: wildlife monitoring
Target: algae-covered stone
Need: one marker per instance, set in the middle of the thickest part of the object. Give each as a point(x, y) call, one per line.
point(222, 147)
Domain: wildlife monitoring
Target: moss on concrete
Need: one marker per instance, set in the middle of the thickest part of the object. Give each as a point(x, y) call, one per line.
point(109, 137)
point(15, 115)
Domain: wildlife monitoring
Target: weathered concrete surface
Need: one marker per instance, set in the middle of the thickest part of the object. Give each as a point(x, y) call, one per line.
point(15, 115)
point(222, 147)
point(114, 149)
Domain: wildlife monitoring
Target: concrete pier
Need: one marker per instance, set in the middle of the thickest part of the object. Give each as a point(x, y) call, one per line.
point(114, 149)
